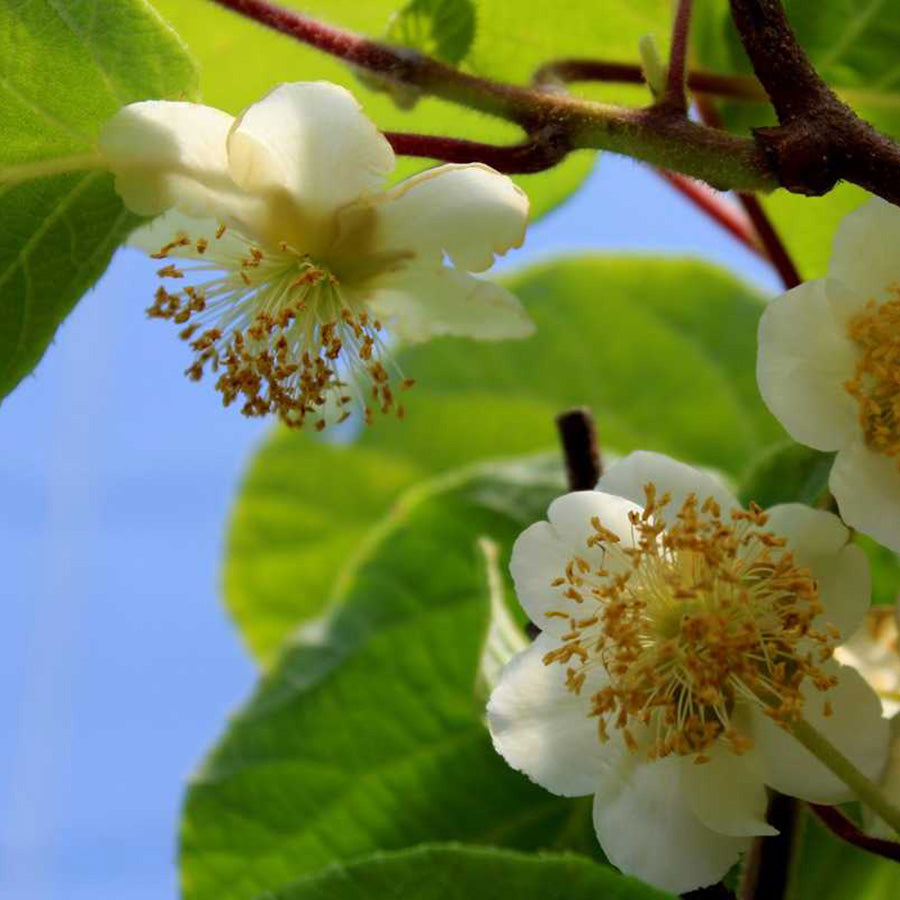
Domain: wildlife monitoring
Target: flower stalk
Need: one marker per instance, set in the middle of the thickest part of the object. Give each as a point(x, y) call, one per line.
point(864, 788)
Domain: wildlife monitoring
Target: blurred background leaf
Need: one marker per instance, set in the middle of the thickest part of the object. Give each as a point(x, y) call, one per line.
point(65, 68)
point(368, 733)
point(468, 873)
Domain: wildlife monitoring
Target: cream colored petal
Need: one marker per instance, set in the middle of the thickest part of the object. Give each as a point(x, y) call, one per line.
point(866, 255)
point(310, 142)
point(804, 358)
point(538, 557)
point(571, 517)
point(162, 230)
point(468, 212)
point(866, 485)
point(727, 794)
point(856, 728)
point(543, 730)
point(646, 827)
point(628, 476)
point(430, 301)
point(168, 154)
point(820, 541)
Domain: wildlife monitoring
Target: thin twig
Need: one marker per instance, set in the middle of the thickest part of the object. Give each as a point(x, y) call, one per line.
point(675, 98)
point(714, 205)
point(767, 865)
point(738, 87)
point(540, 153)
point(578, 436)
point(838, 824)
point(766, 234)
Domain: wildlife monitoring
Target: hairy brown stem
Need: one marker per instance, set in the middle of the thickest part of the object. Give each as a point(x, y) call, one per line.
point(651, 134)
point(838, 824)
point(819, 139)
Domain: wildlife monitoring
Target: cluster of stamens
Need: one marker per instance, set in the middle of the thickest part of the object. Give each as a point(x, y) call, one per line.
point(274, 328)
point(876, 381)
point(690, 620)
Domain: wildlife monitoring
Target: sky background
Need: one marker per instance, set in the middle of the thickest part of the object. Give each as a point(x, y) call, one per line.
point(118, 664)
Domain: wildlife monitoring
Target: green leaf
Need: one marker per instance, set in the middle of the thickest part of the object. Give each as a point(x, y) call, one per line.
point(444, 29)
point(452, 872)
point(830, 869)
point(885, 567)
point(787, 473)
point(368, 734)
point(65, 67)
point(640, 341)
point(511, 41)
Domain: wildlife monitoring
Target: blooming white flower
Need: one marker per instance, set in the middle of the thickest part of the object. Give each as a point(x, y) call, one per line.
point(677, 632)
point(303, 256)
point(874, 651)
point(829, 367)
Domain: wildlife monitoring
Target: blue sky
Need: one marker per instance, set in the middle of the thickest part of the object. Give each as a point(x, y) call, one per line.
point(117, 662)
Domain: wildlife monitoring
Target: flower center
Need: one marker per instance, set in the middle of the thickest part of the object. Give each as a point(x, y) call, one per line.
point(279, 332)
point(690, 621)
point(876, 381)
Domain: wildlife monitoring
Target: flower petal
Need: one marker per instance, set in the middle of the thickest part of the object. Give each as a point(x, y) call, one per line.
point(429, 301)
point(820, 541)
point(538, 557)
point(571, 514)
point(866, 485)
point(542, 729)
point(627, 478)
point(311, 141)
point(470, 212)
point(856, 728)
point(803, 361)
point(727, 794)
point(646, 827)
point(865, 251)
point(165, 228)
point(167, 153)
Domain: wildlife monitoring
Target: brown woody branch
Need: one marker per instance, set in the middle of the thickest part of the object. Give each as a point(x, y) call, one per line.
point(819, 139)
point(548, 118)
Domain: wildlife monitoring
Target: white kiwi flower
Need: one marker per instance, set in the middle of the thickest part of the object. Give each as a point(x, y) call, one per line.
point(680, 634)
point(301, 256)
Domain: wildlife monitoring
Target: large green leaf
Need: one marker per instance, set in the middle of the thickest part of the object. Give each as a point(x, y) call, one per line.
point(65, 67)
point(643, 342)
point(853, 45)
point(468, 873)
point(242, 61)
point(368, 734)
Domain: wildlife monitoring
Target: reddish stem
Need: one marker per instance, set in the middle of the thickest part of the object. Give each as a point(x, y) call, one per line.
point(717, 208)
point(674, 97)
point(775, 250)
point(536, 155)
point(839, 825)
point(566, 70)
